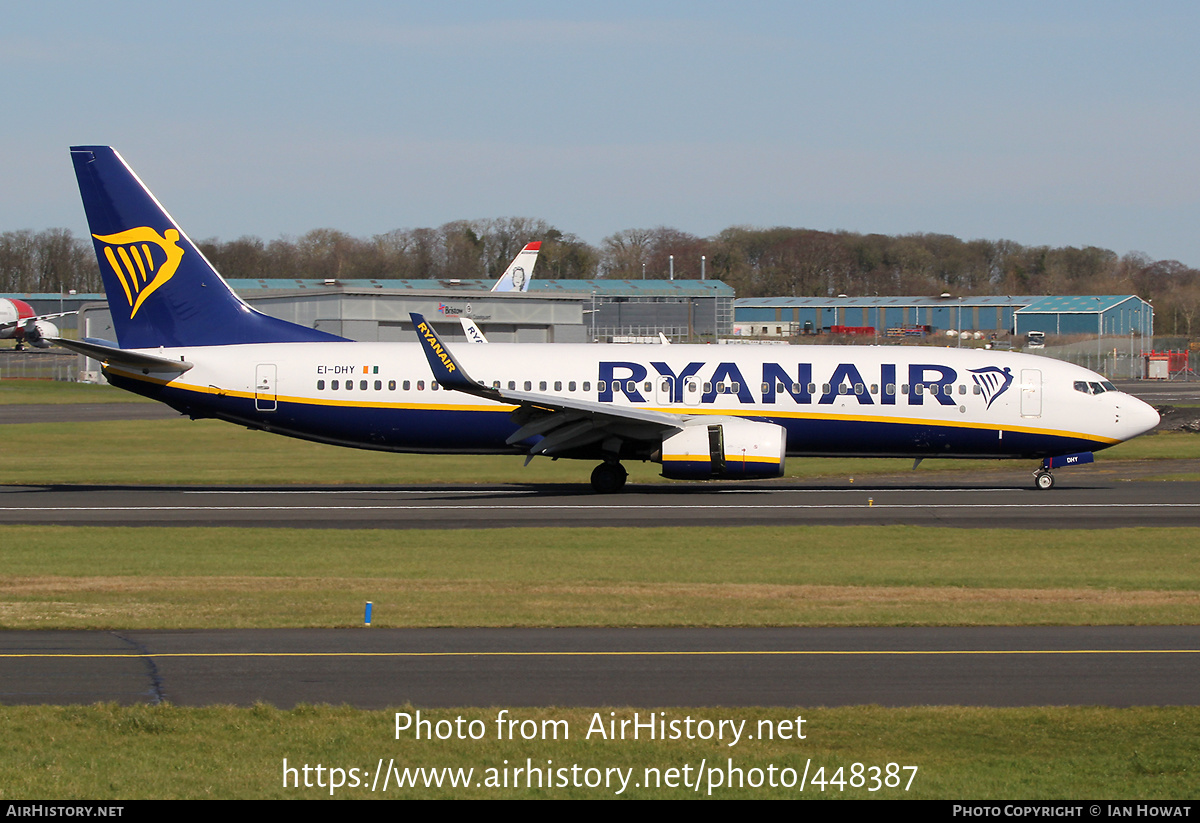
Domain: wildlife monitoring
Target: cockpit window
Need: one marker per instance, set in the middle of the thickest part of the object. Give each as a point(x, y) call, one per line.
point(1094, 388)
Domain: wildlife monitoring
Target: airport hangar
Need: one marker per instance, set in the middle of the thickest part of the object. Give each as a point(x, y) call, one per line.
point(908, 316)
point(552, 311)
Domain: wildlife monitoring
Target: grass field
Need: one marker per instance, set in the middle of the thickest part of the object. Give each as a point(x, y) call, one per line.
point(112, 578)
point(123, 578)
point(29, 392)
point(108, 752)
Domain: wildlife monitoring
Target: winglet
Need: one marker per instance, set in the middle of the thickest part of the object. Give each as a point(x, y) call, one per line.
point(446, 370)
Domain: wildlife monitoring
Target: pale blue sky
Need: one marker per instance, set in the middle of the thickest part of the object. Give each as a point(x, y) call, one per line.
point(1044, 123)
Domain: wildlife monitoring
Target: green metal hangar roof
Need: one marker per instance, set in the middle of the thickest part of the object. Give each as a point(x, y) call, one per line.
point(984, 313)
point(1087, 314)
point(1020, 313)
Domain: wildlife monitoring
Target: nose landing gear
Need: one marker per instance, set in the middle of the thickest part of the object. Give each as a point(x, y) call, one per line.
point(1043, 479)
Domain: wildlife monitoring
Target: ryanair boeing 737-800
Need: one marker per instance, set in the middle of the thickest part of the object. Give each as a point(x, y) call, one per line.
point(702, 412)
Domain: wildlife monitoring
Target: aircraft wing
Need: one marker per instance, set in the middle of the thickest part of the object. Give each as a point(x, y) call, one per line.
point(21, 321)
point(110, 356)
point(565, 423)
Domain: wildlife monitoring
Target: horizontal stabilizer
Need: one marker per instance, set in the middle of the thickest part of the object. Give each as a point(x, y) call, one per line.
point(123, 357)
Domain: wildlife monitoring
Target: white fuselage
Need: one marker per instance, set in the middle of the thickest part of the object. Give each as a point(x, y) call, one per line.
point(850, 400)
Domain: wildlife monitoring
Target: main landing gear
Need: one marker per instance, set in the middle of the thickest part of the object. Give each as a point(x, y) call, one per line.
point(609, 478)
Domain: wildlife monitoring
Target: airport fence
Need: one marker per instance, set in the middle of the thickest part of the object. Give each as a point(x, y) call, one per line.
point(39, 364)
point(1133, 363)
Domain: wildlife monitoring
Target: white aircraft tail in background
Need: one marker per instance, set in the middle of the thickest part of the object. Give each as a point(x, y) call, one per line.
point(520, 271)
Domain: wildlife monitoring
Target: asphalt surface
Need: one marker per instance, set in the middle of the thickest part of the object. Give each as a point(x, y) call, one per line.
point(1084, 498)
point(379, 668)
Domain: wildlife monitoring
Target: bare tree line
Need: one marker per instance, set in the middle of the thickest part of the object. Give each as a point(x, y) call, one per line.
point(756, 262)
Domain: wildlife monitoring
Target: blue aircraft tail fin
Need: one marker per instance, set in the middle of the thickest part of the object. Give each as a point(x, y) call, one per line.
point(161, 290)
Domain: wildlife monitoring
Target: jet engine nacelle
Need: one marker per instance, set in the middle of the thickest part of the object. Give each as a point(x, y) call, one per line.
point(725, 448)
point(37, 332)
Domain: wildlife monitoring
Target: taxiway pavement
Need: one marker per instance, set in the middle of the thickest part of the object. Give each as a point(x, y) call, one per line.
point(379, 668)
point(1086, 500)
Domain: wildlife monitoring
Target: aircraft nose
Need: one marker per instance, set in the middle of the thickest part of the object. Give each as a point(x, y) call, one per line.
point(1138, 417)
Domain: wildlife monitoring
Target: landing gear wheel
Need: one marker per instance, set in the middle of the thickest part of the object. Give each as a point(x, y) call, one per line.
point(1044, 480)
point(609, 478)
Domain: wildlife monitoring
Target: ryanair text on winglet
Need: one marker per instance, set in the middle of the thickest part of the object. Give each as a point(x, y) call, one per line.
point(436, 347)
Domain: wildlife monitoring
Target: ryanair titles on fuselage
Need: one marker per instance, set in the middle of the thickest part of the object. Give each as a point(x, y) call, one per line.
point(845, 380)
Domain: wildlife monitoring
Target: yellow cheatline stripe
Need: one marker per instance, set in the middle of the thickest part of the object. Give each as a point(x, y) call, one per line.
point(729, 458)
point(824, 653)
point(682, 410)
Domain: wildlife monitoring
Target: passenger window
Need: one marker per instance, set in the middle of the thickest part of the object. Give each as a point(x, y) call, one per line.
point(587, 385)
point(976, 390)
point(890, 389)
point(528, 385)
point(859, 388)
point(558, 385)
point(812, 388)
point(600, 386)
point(571, 386)
point(378, 385)
point(349, 385)
point(630, 387)
point(362, 384)
point(962, 388)
point(795, 388)
point(904, 388)
point(420, 385)
point(735, 387)
point(707, 388)
point(512, 385)
point(766, 387)
point(649, 387)
point(406, 385)
point(918, 388)
point(495, 384)
point(320, 385)
point(933, 389)
point(874, 388)
point(542, 386)
point(843, 388)
point(391, 385)
point(824, 388)
point(433, 386)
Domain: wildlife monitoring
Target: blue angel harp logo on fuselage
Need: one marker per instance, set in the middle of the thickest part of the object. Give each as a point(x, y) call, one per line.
point(992, 381)
point(143, 260)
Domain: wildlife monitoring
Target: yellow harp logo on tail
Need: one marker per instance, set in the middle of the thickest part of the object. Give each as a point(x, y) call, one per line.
point(143, 260)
